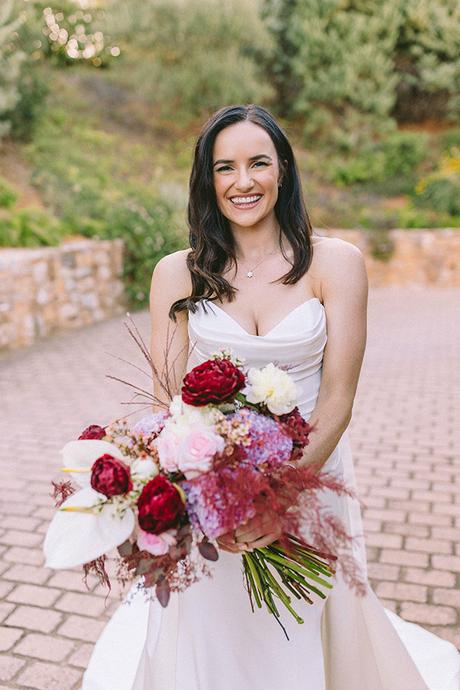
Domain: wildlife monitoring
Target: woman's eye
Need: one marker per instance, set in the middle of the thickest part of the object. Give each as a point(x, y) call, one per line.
point(223, 168)
point(260, 163)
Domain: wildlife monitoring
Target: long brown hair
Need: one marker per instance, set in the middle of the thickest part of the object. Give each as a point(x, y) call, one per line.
point(210, 236)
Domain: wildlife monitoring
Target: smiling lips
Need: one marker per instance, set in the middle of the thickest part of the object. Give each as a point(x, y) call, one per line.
point(245, 202)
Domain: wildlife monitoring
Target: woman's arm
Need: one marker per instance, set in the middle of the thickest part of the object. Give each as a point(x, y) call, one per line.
point(169, 339)
point(344, 289)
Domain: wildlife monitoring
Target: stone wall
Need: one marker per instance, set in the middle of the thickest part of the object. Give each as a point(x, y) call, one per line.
point(407, 257)
point(43, 291)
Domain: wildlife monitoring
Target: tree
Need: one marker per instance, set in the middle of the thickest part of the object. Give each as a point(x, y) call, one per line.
point(346, 68)
point(10, 63)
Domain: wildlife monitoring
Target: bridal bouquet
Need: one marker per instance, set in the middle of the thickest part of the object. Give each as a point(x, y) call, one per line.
point(164, 490)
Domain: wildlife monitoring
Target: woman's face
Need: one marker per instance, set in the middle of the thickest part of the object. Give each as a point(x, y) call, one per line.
point(246, 173)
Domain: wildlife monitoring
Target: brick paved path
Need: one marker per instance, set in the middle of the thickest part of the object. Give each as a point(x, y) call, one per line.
point(406, 441)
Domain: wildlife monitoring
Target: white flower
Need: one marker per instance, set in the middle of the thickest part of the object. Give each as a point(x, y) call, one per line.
point(184, 417)
point(144, 468)
point(273, 387)
point(82, 454)
point(78, 533)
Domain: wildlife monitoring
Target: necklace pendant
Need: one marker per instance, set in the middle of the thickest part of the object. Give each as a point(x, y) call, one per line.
point(249, 274)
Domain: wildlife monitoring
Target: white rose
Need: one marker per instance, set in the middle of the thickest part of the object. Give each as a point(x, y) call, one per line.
point(273, 387)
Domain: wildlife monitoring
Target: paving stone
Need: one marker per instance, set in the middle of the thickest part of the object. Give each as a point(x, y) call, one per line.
point(34, 595)
point(435, 578)
point(9, 637)
point(86, 604)
point(27, 573)
point(43, 676)
point(81, 628)
point(9, 666)
point(43, 647)
point(33, 618)
point(401, 591)
point(425, 613)
point(81, 656)
point(18, 554)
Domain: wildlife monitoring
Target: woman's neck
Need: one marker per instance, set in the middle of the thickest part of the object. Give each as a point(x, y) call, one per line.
point(251, 243)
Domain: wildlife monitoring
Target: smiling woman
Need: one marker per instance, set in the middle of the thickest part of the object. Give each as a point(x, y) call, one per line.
point(257, 281)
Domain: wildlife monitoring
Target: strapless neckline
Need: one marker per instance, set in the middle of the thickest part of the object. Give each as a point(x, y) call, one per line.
point(274, 328)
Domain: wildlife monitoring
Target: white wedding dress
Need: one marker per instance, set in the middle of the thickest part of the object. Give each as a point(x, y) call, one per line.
point(209, 639)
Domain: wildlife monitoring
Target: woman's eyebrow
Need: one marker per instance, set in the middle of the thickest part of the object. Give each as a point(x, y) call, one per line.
point(252, 158)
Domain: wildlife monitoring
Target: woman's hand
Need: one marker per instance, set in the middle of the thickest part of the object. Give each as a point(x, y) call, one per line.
point(256, 533)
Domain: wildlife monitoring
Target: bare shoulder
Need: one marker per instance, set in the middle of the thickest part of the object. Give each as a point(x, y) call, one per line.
point(339, 265)
point(171, 278)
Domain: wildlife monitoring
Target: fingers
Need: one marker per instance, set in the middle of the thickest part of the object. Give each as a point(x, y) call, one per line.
point(252, 530)
point(265, 540)
point(228, 543)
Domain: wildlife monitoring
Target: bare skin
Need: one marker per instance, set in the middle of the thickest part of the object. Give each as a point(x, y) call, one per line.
point(337, 277)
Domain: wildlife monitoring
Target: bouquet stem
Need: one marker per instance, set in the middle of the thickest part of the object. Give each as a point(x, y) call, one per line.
point(298, 569)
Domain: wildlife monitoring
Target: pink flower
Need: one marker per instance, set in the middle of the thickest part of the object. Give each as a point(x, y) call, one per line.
point(197, 451)
point(167, 445)
point(156, 544)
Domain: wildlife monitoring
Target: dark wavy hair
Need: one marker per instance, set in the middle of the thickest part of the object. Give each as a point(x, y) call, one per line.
point(210, 236)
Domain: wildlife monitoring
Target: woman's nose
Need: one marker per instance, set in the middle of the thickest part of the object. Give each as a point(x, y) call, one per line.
point(244, 180)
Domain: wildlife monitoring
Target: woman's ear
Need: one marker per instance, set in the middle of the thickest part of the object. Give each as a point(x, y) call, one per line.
point(283, 169)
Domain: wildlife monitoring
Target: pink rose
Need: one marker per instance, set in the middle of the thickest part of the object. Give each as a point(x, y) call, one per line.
point(156, 544)
point(197, 451)
point(167, 445)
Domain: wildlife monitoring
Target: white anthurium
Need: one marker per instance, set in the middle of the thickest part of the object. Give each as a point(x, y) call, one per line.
point(79, 535)
point(80, 456)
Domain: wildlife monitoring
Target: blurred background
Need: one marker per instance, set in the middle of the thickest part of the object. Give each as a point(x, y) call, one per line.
point(100, 102)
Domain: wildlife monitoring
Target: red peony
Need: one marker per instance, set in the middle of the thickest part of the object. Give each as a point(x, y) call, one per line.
point(213, 381)
point(94, 431)
point(295, 426)
point(159, 505)
point(110, 476)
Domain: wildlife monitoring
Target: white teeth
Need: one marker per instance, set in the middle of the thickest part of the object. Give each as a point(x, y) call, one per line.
point(245, 199)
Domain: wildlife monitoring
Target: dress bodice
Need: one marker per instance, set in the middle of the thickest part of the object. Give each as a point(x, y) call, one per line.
point(296, 343)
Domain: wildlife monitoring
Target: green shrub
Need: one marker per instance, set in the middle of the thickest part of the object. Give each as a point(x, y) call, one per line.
point(395, 158)
point(32, 91)
point(417, 217)
point(441, 188)
point(11, 59)
point(149, 232)
point(449, 139)
point(8, 196)
point(30, 227)
point(191, 56)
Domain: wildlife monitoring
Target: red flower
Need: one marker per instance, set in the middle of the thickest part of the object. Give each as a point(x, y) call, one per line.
point(295, 426)
point(213, 381)
point(94, 431)
point(159, 505)
point(110, 476)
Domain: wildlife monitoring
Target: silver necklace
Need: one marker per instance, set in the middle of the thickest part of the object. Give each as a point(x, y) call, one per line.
point(250, 273)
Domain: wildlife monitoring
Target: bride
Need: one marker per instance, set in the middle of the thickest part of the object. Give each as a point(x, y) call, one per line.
point(258, 281)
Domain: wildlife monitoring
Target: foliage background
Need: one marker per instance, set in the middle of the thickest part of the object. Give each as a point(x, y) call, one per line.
point(101, 100)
